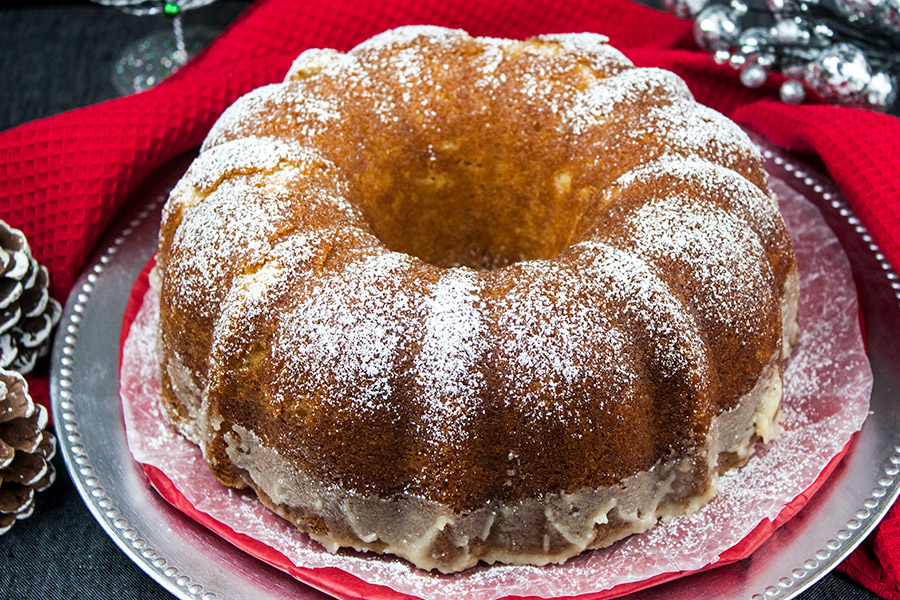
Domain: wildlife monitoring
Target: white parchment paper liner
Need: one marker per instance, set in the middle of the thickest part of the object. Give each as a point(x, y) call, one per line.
point(827, 383)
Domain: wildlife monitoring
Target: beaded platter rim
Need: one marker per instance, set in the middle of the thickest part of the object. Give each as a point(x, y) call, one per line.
point(84, 394)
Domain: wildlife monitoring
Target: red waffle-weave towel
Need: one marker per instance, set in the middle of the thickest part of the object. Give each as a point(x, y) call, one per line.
point(63, 178)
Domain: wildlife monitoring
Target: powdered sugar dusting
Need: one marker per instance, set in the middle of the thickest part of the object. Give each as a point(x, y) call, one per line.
point(251, 293)
point(492, 55)
point(237, 200)
point(213, 231)
point(310, 62)
point(346, 333)
point(404, 36)
point(686, 127)
point(594, 47)
point(598, 102)
point(310, 115)
point(721, 254)
point(743, 199)
point(244, 155)
point(557, 338)
point(453, 344)
point(827, 388)
point(586, 42)
point(631, 284)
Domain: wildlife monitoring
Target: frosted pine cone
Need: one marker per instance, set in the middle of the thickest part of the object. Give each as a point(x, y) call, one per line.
point(27, 312)
point(25, 450)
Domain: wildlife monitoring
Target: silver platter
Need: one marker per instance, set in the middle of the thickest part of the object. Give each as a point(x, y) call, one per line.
point(193, 563)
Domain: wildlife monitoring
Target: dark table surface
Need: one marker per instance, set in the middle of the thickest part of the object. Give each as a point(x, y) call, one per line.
point(54, 57)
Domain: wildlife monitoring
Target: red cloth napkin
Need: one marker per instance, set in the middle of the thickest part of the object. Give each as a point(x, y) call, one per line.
point(62, 179)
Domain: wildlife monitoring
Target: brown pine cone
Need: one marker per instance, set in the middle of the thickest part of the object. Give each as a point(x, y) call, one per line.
point(27, 312)
point(26, 448)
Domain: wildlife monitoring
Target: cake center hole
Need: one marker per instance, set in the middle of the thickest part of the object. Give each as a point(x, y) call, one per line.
point(464, 203)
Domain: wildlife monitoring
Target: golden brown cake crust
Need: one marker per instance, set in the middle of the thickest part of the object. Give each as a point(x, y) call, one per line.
point(474, 281)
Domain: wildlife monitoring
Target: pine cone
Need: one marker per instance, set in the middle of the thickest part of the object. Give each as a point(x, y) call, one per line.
point(27, 312)
point(25, 450)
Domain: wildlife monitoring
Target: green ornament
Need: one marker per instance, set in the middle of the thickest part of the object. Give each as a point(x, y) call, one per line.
point(171, 8)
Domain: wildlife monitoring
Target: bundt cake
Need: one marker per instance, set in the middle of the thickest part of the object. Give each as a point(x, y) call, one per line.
point(468, 299)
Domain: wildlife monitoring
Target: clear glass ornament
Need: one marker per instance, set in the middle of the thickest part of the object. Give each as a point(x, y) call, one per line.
point(146, 62)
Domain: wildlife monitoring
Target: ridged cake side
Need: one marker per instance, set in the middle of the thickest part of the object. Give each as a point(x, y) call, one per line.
point(463, 299)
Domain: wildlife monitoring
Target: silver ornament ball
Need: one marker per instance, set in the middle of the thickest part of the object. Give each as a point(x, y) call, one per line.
point(753, 39)
point(766, 61)
point(788, 7)
point(721, 57)
point(716, 28)
point(754, 75)
point(792, 92)
point(881, 93)
point(794, 71)
point(888, 14)
point(822, 31)
point(839, 74)
point(857, 9)
point(739, 7)
point(790, 31)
